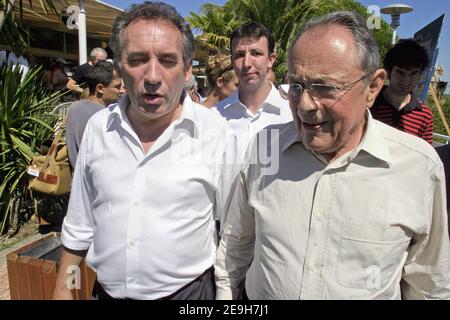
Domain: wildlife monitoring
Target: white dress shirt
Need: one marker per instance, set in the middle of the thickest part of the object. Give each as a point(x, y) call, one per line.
point(246, 125)
point(148, 219)
point(370, 225)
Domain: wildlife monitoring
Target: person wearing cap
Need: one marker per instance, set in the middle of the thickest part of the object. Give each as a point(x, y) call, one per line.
point(58, 77)
point(221, 79)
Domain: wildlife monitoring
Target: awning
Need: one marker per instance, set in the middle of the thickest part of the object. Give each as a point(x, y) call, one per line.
point(99, 16)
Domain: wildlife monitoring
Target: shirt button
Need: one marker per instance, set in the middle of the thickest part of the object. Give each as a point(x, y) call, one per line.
point(131, 243)
point(137, 204)
point(130, 280)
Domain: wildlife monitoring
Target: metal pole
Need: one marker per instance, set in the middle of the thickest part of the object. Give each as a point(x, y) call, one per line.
point(394, 35)
point(82, 38)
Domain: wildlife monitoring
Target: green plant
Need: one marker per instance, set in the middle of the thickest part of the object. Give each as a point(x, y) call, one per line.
point(25, 121)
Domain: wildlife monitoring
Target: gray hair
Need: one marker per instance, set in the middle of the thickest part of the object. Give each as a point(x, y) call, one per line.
point(151, 11)
point(366, 44)
point(96, 51)
point(191, 83)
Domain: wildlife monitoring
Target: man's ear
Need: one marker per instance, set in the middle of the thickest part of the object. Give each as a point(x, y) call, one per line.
point(376, 82)
point(188, 74)
point(99, 89)
point(272, 58)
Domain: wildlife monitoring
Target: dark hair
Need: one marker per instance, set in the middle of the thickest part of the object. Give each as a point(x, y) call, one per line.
point(151, 11)
point(366, 45)
point(101, 73)
point(407, 53)
point(253, 30)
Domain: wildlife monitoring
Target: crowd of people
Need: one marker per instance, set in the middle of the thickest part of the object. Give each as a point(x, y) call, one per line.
point(326, 187)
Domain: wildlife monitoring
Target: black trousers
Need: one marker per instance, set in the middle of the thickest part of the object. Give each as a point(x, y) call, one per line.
point(202, 288)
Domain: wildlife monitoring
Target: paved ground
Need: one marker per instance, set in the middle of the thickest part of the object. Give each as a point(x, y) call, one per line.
point(4, 284)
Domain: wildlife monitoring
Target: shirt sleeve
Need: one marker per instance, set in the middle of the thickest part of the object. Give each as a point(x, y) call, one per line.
point(78, 225)
point(228, 174)
point(426, 274)
point(235, 251)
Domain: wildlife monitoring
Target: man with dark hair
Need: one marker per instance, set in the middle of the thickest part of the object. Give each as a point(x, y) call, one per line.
point(257, 103)
point(357, 208)
point(105, 88)
point(152, 174)
point(396, 104)
point(78, 82)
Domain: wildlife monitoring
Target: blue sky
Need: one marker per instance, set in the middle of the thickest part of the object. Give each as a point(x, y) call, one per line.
point(425, 11)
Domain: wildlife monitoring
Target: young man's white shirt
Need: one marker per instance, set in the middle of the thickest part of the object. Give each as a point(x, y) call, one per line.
point(274, 110)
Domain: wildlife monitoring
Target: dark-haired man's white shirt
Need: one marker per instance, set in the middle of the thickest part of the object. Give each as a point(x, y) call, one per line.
point(148, 219)
point(274, 110)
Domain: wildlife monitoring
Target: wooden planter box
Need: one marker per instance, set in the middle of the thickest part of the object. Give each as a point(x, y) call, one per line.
point(32, 271)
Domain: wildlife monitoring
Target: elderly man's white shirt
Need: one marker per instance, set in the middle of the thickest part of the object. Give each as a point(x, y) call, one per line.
point(274, 110)
point(370, 225)
point(148, 219)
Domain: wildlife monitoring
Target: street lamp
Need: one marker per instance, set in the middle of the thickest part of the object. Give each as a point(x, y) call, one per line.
point(395, 10)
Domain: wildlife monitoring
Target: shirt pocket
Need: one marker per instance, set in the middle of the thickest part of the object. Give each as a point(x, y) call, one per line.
point(370, 254)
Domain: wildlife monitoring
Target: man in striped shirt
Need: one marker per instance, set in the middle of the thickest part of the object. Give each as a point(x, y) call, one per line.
point(396, 104)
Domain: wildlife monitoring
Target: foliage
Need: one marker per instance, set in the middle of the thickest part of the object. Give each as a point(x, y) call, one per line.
point(284, 18)
point(25, 121)
point(12, 30)
point(438, 125)
point(216, 24)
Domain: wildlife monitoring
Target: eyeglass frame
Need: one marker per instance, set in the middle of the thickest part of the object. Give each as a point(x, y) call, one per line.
point(344, 88)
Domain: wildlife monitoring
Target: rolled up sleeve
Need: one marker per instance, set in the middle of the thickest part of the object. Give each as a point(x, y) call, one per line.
point(426, 274)
point(78, 225)
point(236, 246)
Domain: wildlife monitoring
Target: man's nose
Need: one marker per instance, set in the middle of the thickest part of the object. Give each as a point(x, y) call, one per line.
point(306, 102)
point(122, 90)
point(247, 60)
point(152, 73)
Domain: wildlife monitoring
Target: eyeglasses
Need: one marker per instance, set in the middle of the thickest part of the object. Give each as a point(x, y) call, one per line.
point(319, 91)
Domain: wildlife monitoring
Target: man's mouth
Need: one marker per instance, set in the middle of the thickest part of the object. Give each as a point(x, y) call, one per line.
point(152, 98)
point(313, 125)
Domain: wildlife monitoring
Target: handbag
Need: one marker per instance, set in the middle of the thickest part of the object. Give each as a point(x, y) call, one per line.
point(50, 171)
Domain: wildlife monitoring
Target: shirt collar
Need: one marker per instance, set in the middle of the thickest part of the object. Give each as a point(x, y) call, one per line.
point(187, 119)
point(413, 103)
point(270, 104)
point(372, 142)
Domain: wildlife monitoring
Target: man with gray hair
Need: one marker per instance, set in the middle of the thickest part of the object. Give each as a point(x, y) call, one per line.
point(152, 172)
point(357, 208)
point(78, 82)
point(191, 87)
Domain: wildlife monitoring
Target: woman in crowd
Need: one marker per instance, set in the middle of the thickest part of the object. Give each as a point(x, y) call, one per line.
point(221, 79)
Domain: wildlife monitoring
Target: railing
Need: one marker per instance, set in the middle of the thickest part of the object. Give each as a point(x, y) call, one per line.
point(441, 136)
